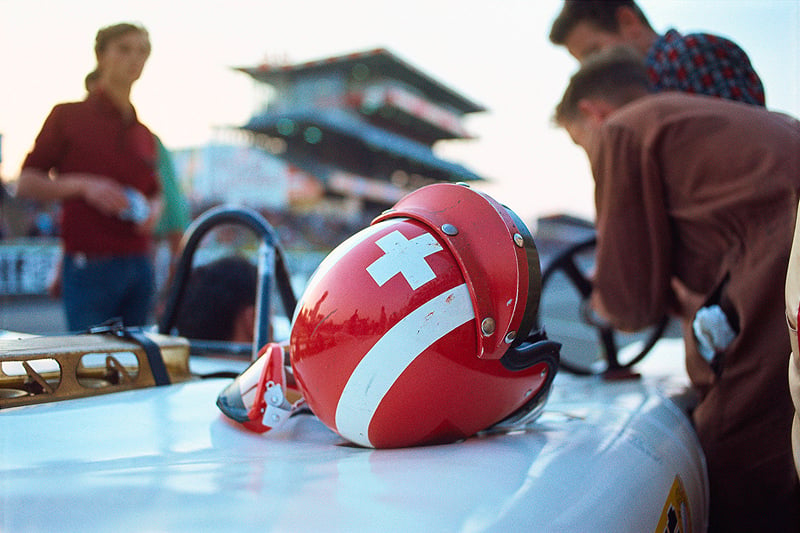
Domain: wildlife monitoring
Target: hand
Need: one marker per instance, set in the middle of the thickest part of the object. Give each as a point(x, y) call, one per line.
point(687, 302)
point(148, 226)
point(104, 194)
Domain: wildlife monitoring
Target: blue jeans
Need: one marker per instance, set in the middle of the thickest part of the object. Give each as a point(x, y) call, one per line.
point(97, 289)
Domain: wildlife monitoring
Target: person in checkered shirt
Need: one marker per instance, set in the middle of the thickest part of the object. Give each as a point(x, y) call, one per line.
point(698, 63)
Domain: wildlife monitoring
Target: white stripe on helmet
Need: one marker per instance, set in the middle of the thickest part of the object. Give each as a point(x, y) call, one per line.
point(392, 354)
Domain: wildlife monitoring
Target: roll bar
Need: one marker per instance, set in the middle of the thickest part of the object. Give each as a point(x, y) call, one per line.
point(271, 267)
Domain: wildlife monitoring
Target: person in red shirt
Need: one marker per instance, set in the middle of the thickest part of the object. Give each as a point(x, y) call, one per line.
point(96, 158)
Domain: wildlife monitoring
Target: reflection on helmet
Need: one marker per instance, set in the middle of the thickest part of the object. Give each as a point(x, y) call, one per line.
point(416, 330)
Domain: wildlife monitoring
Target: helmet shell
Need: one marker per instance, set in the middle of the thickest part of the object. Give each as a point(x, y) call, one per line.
point(387, 342)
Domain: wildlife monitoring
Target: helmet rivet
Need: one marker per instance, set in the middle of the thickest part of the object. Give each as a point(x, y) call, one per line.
point(518, 240)
point(510, 336)
point(449, 229)
point(487, 326)
point(544, 372)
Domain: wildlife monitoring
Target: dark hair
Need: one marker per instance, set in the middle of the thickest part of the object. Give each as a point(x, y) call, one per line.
point(601, 14)
point(109, 33)
point(618, 74)
point(215, 294)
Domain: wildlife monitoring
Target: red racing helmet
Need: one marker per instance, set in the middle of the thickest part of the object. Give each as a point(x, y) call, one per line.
point(417, 329)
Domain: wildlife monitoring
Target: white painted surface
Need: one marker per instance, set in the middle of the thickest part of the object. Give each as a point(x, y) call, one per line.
point(602, 458)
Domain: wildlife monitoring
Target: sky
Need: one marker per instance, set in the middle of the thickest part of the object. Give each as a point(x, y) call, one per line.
point(495, 53)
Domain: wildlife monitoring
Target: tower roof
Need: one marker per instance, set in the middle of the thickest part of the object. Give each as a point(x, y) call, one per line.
point(378, 60)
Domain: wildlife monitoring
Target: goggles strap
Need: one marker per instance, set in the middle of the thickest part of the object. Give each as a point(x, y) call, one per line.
point(271, 408)
point(262, 391)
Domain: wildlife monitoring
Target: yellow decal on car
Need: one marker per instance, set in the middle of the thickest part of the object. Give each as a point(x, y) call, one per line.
point(675, 516)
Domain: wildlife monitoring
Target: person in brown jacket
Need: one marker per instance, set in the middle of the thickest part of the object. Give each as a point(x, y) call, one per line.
point(695, 200)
